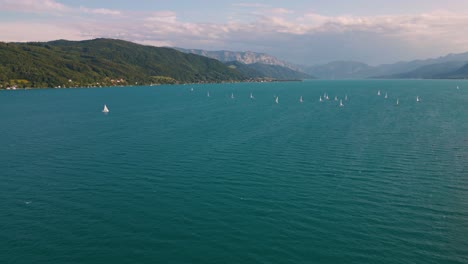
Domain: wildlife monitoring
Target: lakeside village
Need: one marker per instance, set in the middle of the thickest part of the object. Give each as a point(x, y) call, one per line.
point(22, 84)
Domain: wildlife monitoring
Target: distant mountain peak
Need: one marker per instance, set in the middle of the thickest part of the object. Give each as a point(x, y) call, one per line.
point(246, 57)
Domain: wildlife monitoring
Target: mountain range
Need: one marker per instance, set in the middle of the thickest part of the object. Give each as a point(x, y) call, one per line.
point(446, 67)
point(100, 62)
point(104, 62)
point(246, 57)
point(254, 64)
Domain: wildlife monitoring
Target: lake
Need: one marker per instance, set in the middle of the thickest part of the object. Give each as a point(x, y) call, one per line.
point(171, 175)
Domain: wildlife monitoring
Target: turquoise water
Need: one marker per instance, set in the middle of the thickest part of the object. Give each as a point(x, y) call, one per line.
point(172, 176)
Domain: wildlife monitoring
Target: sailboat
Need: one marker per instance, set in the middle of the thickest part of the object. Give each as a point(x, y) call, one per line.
point(208, 94)
point(378, 93)
point(458, 88)
point(346, 98)
point(417, 98)
point(341, 103)
point(300, 100)
point(251, 96)
point(320, 99)
point(105, 110)
point(386, 96)
point(397, 101)
point(336, 98)
point(276, 100)
point(191, 89)
point(232, 95)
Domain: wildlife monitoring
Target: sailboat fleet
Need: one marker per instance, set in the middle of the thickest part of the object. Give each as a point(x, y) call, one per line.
point(322, 98)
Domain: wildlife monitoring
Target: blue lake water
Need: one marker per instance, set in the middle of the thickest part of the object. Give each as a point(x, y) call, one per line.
point(173, 176)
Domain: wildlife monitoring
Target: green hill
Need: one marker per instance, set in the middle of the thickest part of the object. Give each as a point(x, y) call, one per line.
point(104, 62)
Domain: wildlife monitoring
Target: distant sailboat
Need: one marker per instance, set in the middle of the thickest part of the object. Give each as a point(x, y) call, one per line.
point(386, 96)
point(336, 98)
point(378, 93)
point(417, 98)
point(300, 100)
point(208, 94)
point(346, 98)
point(397, 101)
point(276, 100)
point(458, 87)
point(320, 99)
point(191, 89)
point(341, 103)
point(232, 95)
point(251, 96)
point(105, 110)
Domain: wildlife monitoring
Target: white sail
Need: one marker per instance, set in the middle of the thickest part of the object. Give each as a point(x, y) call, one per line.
point(208, 94)
point(417, 98)
point(320, 99)
point(232, 95)
point(276, 100)
point(397, 101)
point(251, 96)
point(336, 98)
point(378, 93)
point(346, 98)
point(300, 100)
point(191, 89)
point(386, 96)
point(341, 103)
point(105, 110)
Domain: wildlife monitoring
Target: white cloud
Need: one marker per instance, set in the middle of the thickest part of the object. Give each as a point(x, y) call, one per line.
point(271, 29)
point(28, 31)
point(250, 5)
point(33, 6)
point(100, 11)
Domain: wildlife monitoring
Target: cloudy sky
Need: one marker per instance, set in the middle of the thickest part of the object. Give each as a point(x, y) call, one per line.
point(299, 31)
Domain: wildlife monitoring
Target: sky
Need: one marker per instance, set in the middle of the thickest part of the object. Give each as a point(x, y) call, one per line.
point(307, 32)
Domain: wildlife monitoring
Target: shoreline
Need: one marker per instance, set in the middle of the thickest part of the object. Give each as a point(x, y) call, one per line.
point(143, 85)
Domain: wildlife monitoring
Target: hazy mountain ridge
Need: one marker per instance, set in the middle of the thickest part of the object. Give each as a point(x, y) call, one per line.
point(405, 69)
point(461, 73)
point(432, 71)
point(339, 70)
point(260, 70)
point(246, 57)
